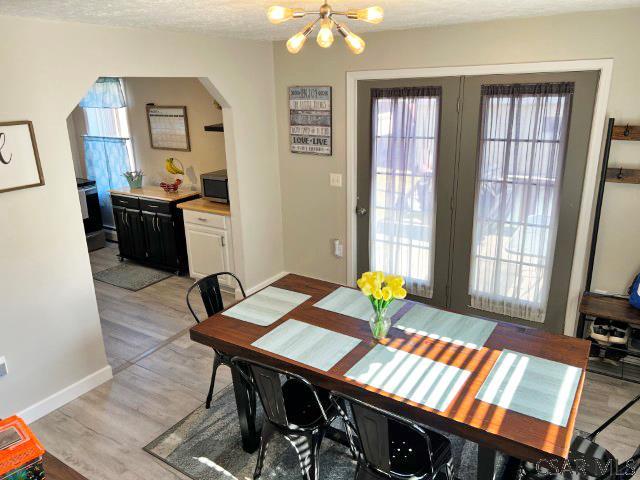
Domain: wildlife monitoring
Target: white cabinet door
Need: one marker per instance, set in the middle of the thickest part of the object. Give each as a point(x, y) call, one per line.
point(208, 250)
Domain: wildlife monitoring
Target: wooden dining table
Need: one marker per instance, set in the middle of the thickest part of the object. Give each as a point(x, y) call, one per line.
point(493, 428)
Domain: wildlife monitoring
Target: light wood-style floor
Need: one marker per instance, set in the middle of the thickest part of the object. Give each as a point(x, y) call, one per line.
point(160, 376)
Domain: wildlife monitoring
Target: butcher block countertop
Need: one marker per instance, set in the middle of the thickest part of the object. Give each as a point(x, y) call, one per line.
point(154, 193)
point(206, 206)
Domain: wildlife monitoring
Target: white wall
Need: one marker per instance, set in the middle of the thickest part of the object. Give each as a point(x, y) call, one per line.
point(207, 148)
point(305, 178)
point(49, 326)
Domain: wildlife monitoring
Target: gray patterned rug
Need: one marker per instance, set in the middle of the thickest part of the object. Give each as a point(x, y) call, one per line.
point(205, 445)
point(131, 276)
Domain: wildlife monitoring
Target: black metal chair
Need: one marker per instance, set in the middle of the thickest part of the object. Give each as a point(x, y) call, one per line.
point(211, 295)
point(392, 447)
point(294, 408)
point(587, 460)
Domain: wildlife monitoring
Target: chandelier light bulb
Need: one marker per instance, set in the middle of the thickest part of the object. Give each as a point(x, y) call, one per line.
point(325, 35)
point(278, 14)
point(295, 43)
point(353, 41)
point(370, 15)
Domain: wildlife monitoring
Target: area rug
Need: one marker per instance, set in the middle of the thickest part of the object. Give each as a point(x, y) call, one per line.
point(131, 276)
point(206, 445)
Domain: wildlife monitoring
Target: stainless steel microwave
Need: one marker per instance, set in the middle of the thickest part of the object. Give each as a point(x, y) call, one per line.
point(215, 186)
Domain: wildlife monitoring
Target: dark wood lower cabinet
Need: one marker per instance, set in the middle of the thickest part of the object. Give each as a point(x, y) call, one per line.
point(152, 233)
point(152, 237)
point(167, 232)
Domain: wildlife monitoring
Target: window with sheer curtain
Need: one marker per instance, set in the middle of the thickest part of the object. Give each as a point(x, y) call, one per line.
point(404, 150)
point(521, 158)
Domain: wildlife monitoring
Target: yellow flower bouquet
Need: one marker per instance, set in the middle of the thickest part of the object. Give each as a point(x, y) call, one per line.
point(382, 290)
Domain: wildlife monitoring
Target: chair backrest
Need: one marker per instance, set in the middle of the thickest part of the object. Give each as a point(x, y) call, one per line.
point(209, 288)
point(269, 382)
point(373, 427)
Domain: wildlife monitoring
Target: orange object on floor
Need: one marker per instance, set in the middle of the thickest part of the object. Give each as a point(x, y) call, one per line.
point(19, 449)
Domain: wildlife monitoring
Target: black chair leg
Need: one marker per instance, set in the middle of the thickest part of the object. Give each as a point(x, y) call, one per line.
point(448, 471)
point(363, 473)
point(216, 364)
point(267, 432)
point(352, 437)
point(308, 449)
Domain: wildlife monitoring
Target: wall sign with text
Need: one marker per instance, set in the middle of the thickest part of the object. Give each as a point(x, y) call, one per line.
point(310, 120)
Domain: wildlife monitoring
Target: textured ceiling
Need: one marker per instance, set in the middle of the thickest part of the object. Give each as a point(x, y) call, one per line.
point(246, 18)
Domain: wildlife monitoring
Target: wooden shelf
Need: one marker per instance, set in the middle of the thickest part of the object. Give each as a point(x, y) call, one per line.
point(626, 132)
point(218, 127)
point(609, 307)
point(623, 175)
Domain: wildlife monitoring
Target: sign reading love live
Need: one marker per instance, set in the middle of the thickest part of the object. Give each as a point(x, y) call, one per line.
point(310, 120)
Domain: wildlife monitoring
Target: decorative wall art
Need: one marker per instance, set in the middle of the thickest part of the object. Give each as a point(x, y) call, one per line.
point(310, 120)
point(19, 159)
point(168, 128)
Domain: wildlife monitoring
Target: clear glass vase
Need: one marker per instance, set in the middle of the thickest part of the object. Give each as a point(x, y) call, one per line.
point(380, 322)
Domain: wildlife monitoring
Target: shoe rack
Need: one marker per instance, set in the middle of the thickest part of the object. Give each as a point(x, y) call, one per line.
point(609, 355)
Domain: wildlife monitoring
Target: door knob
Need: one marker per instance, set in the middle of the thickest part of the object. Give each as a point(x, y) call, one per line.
point(361, 211)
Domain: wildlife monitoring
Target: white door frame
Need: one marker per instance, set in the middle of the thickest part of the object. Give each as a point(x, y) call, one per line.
point(581, 252)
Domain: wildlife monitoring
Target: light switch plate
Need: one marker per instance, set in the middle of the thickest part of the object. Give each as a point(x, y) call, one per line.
point(338, 250)
point(335, 179)
point(4, 370)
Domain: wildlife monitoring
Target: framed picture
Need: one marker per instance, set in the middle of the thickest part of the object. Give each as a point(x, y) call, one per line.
point(168, 128)
point(19, 159)
point(310, 126)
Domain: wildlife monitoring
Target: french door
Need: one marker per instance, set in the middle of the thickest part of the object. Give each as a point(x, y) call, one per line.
point(470, 188)
point(411, 178)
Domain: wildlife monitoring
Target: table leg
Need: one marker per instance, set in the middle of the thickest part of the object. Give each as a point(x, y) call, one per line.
point(246, 403)
point(511, 469)
point(486, 463)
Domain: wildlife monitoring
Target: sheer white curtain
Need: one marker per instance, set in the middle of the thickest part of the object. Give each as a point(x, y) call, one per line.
point(521, 159)
point(403, 162)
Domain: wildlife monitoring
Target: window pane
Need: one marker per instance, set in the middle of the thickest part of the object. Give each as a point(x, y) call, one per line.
point(516, 211)
point(102, 122)
point(404, 150)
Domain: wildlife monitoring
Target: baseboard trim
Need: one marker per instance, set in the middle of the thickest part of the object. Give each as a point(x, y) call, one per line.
point(266, 283)
point(64, 396)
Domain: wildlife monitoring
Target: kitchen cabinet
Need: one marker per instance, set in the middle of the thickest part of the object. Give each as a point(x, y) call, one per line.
point(151, 231)
point(130, 232)
point(209, 244)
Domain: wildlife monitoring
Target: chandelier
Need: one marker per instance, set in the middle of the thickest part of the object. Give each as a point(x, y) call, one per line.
point(327, 22)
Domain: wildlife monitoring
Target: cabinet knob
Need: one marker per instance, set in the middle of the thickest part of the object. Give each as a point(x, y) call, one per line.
point(202, 219)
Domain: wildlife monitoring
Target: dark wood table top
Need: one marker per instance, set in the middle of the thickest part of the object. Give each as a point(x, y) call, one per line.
point(510, 432)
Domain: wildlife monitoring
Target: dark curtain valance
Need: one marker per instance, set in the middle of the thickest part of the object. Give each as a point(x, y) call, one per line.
point(402, 92)
point(561, 88)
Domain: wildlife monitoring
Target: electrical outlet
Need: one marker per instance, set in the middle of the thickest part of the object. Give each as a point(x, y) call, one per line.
point(4, 370)
point(335, 179)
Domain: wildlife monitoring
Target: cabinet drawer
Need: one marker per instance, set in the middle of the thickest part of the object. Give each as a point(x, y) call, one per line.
point(127, 202)
point(206, 219)
point(156, 206)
